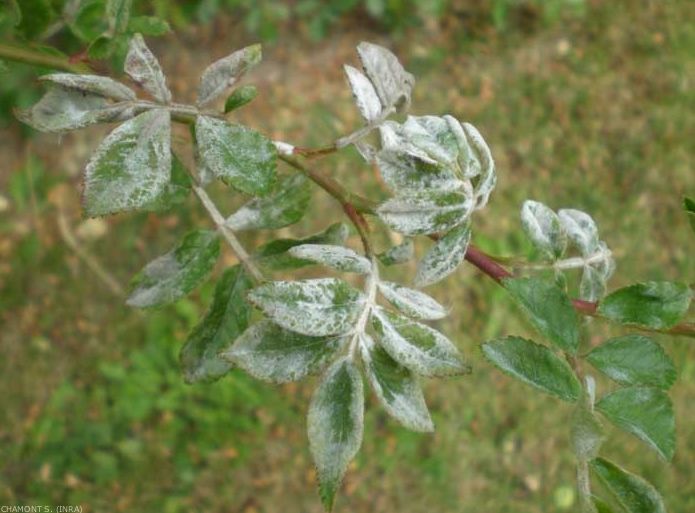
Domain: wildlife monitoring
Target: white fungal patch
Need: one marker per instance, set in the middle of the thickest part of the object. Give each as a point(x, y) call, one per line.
point(412, 302)
point(336, 257)
point(143, 67)
point(224, 73)
point(444, 257)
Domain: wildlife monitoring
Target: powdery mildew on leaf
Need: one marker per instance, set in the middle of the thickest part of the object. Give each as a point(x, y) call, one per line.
point(339, 258)
point(412, 302)
point(176, 273)
point(238, 155)
point(335, 425)
point(396, 387)
point(444, 257)
point(271, 353)
point(319, 307)
point(480, 157)
point(364, 94)
point(418, 347)
point(425, 212)
point(392, 83)
point(284, 206)
point(405, 173)
point(581, 230)
point(543, 228)
point(93, 84)
point(143, 67)
point(131, 167)
point(398, 254)
point(224, 73)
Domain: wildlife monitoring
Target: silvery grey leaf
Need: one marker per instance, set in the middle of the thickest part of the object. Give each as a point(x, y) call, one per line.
point(403, 172)
point(143, 67)
point(412, 302)
point(392, 83)
point(336, 257)
point(481, 158)
point(398, 254)
point(593, 285)
point(363, 92)
point(224, 73)
point(543, 228)
point(425, 212)
point(92, 84)
point(444, 257)
point(581, 229)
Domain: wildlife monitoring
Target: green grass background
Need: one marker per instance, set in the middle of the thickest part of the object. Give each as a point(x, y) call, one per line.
point(591, 109)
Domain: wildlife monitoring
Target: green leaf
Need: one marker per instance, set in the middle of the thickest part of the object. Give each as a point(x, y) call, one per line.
point(222, 74)
point(335, 425)
point(602, 506)
point(587, 433)
point(118, 14)
point(632, 492)
point(548, 308)
point(634, 360)
point(149, 25)
point(645, 412)
point(535, 365)
point(274, 254)
point(286, 205)
point(271, 353)
point(101, 48)
point(444, 257)
point(131, 167)
point(689, 206)
point(412, 302)
point(339, 258)
point(175, 192)
point(144, 68)
point(226, 319)
point(92, 84)
point(176, 273)
point(396, 387)
point(240, 97)
point(319, 307)
point(398, 254)
point(425, 212)
point(655, 304)
point(238, 155)
point(543, 228)
point(35, 17)
point(416, 346)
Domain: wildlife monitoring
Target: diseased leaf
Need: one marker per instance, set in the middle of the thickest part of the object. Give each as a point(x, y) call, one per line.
point(587, 433)
point(398, 254)
point(271, 353)
point(480, 158)
point(654, 304)
point(131, 167)
point(238, 155)
point(240, 97)
point(425, 212)
point(392, 83)
point(176, 273)
point(416, 346)
point(581, 230)
point(335, 425)
point(405, 173)
point(175, 192)
point(412, 302)
point(543, 228)
point(535, 365)
point(92, 84)
point(645, 412)
point(224, 73)
point(143, 67)
point(396, 387)
point(593, 284)
point(284, 206)
point(339, 258)
point(632, 492)
point(118, 15)
point(444, 257)
point(226, 319)
point(634, 360)
point(149, 26)
point(274, 254)
point(548, 308)
point(364, 94)
point(319, 307)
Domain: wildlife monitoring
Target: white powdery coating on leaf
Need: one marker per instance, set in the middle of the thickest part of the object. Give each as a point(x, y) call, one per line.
point(412, 302)
point(319, 307)
point(405, 173)
point(392, 83)
point(131, 167)
point(143, 67)
point(336, 257)
point(483, 156)
point(364, 94)
point(335, 424)
point(543, 227)
point(271, 353)
point(222, 74)
point(394, 139)
point(396, 387)
point(581, 229)
point(444, 257)
point(94, 84)
point(417, 214)
point(416, 346)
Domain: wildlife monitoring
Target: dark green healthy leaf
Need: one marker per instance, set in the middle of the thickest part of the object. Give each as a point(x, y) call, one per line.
point(131, 167)
point(645, 412)
point(226, 319)
point(118, 14)
point(535, 365)
point(548, 308)
point(320, 307)
point(444, 257)
point(689, 206)
point(396, 387)
point(634, 360)
point(101, 48)
point(398, 254)
point(149, 26)
point(416, 346)
point(176, 273)
point(224, 73)
point(335, 425)
point(274, 255)
point(655, 304)
point(425, 212)
point(286, 205)
point(632, 492)
point(240, 97)
point(35, 17)
point(143, 67)
point(543, 228)
point(271, 353)
point(237, 155)
point(602, 506)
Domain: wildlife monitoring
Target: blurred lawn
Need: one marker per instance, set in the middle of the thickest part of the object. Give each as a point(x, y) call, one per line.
point(592, 112)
